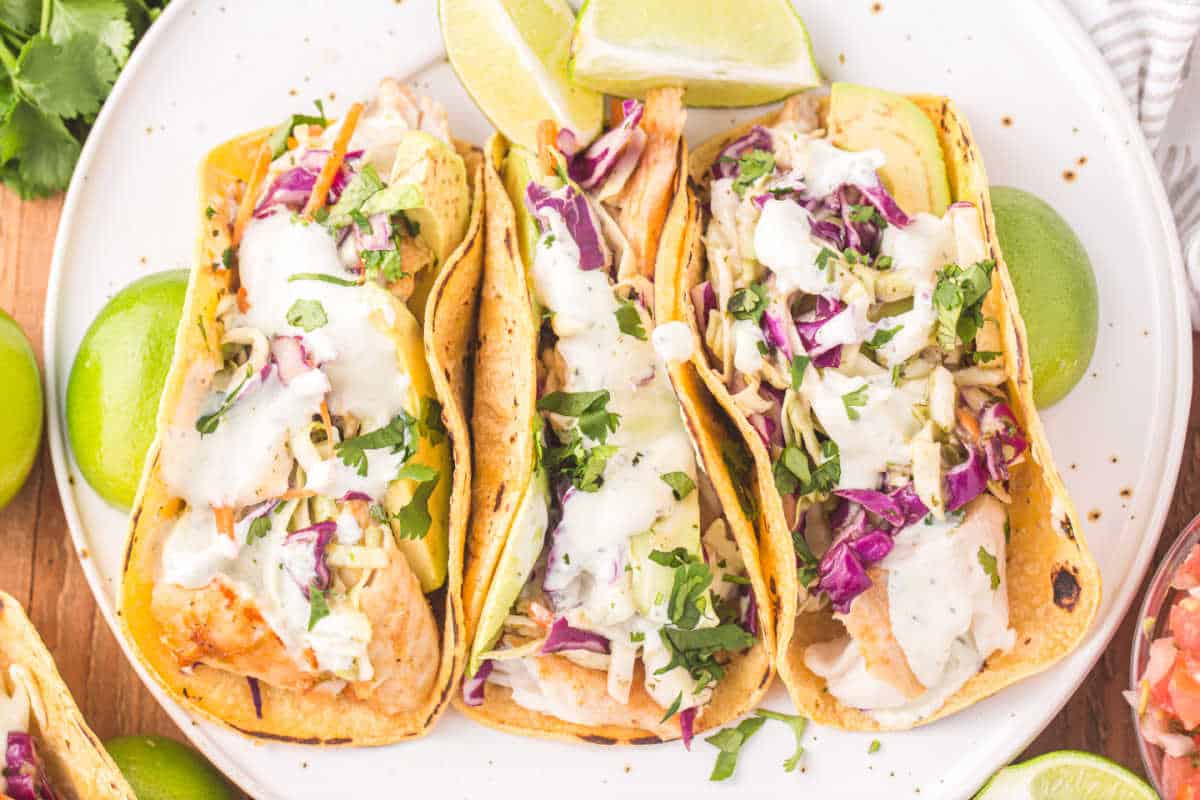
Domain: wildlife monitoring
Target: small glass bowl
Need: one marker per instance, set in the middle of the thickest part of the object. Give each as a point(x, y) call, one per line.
point(1152, 624)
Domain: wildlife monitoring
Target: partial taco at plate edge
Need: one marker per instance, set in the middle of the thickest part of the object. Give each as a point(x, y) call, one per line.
point(293, 568)
point(50, 752)
point(612, 591)
point(861, 328)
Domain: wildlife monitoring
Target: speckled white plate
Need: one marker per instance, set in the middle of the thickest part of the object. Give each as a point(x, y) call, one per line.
point(1048, 118)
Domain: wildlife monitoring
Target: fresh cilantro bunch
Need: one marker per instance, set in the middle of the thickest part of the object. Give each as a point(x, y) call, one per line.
point(60, 59)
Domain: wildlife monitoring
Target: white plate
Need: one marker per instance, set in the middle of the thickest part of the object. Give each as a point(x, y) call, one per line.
point(208, 71)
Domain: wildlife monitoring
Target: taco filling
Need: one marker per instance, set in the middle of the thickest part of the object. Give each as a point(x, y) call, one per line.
point(850, 333)
point(308, 451)
point(621, 593)
point(23, 777)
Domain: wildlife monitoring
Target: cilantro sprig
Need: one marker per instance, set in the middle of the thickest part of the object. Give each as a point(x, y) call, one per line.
point(958, 299)
point(399, 435)
point(58, 62)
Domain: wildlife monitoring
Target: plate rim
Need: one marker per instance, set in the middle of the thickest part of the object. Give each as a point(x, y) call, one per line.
point(1068, 27)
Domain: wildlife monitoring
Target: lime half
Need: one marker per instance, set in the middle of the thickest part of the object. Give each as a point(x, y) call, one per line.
point(512, 57)
point(1066, 774)
point(723, 52)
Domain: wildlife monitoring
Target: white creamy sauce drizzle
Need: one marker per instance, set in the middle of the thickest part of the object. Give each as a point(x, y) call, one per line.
point(633, 506)
point(672, 341)
point(881, 433)
point(783, 242)
point(944, 613)
point(249, 457)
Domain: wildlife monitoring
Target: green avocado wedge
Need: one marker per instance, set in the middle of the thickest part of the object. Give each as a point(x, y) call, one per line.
point(521, 551)
point(864, 118)
point(116, 381)
point(21, 417)
point(1056, 290)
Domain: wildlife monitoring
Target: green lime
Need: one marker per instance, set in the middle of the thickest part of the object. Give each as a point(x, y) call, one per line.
point(116, 380)
point(1056, 289)
point(159, 768)
point(20, 408)
point(1066, 774)
point(511, 56)
point(723, 52)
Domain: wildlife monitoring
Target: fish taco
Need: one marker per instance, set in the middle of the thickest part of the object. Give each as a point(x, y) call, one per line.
point(50, 752)
point(293, 567)
point(860, 327)
point(612, 591)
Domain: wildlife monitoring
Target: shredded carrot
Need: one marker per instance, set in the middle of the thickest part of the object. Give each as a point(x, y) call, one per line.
point(250, 193)
point(616, 111)
point(224, 515)
point(968, 421)
point(292, 142)
point(337, 153)
point(541, 615)
point(327, 421)
point(242, 303)
point(547, 138)
point(297, 494)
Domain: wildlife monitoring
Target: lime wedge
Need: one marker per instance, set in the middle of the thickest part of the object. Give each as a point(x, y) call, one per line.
point(723, 52)
point(1067, 773)
point(512, 57)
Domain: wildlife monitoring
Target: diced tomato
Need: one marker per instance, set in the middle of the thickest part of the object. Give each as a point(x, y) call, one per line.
point(1181, 778)
point(1188, 574)
point(1160, 693)
point(1184, 690)
point(1184, 623)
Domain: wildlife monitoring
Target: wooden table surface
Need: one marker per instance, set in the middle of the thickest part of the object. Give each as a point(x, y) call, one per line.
point(38, 565)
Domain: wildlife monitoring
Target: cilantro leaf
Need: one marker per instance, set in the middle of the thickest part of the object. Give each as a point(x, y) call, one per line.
point(37, 152)
point(748, 303)
point(307, 314)
point(988, 562)
point(958, 298)
point(278, 140)
point(797, 724)
point(752, 166)
point(689, 591)
point(852, 401)
point(694, 649)
point(318, 607)
point(680, 482)
point(629, 320)
point(729, 741)
point(383, 262)
point(207, 423)
point(70, 79)
point(429, 424)
point(883, 336)
point(361, 187)
point(103, 19)
point(674, 707)
point(321, 276)
point(259, 528)
point(414, 518)
point(23, 16)
point(590, 408)
point(399, 435)
point(791, 470)
point(799, 366)
point(807, 566)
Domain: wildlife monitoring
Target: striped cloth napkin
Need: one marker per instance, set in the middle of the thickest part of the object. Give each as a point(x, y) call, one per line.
point(1150, 45)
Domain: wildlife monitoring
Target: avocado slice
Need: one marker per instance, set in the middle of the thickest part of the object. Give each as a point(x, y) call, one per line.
point(426, 556)
point(519, 168)
point(524, 544)
point(433, 166)
point(652, 582)
point(863, 118)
